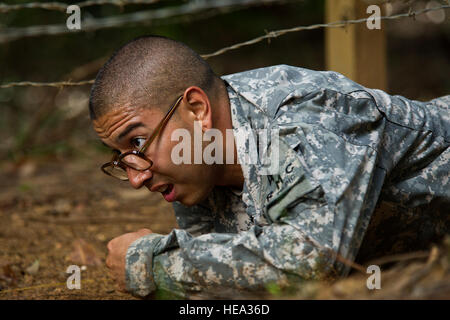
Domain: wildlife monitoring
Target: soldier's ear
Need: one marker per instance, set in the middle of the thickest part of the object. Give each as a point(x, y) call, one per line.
point(198, 106)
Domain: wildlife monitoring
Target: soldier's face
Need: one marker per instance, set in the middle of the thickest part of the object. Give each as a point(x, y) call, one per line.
point(125, 129)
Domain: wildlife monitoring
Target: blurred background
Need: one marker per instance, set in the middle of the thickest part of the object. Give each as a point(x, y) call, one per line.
point(411, 56)
point(51, 188)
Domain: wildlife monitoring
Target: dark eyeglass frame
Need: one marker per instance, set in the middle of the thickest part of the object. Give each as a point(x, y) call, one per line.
point(117, 160)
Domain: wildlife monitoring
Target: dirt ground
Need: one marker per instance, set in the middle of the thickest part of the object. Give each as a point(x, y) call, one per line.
point(57, 213)
point(64, 213)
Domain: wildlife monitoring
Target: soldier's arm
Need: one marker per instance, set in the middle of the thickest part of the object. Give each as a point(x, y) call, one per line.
point(181, 264)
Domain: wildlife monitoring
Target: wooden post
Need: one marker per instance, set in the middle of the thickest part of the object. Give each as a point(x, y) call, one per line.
point(355, 50)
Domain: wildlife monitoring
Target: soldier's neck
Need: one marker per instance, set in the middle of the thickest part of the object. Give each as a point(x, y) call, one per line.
point(230, 173)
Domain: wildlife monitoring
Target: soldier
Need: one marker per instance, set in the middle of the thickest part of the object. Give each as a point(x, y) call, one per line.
point(340, 149)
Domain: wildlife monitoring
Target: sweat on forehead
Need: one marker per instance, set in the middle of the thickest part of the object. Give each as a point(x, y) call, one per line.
point(149, 71)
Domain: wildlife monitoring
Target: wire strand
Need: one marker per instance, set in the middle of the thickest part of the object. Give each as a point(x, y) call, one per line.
point(146, 17)
point(60, 6)
point(269, 35)
point(337, 24)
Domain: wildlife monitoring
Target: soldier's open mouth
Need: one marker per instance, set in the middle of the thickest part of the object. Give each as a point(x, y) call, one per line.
point(169, 193)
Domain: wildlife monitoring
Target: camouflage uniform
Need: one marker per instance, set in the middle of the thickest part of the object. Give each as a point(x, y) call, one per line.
point(343, 149)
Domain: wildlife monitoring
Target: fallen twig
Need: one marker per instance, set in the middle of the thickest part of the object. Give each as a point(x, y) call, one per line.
point(399, 257)
point(406, 287)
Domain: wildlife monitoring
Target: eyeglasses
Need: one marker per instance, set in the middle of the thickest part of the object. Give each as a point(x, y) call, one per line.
point(136, 159)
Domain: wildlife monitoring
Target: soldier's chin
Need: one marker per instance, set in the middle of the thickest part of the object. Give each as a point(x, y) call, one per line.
point(190, 199)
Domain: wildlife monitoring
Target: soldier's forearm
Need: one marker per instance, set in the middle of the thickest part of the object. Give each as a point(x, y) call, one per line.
point(249, 260)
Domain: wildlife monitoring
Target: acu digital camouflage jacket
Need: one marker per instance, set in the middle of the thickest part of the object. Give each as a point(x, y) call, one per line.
point(343, 150)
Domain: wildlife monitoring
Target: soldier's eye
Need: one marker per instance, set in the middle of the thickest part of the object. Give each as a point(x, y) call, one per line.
point(138, 142)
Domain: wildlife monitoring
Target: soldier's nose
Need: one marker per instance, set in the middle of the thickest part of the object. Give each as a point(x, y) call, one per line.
point(137, 178)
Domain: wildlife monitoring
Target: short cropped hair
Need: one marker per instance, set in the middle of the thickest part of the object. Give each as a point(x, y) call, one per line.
point(149, 71)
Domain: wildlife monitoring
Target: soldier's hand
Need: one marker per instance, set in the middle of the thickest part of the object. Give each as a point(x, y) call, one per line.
point(117, 250)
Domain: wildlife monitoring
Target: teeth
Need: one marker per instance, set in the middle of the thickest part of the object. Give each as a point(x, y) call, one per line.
point(163, 188)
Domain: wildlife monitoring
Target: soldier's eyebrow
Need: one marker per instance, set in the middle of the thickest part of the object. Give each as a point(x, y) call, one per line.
point(128, 129)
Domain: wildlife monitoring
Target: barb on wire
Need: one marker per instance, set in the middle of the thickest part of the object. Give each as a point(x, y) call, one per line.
point(60, 6)
point(337, 24)
point(272, 34)
point(141, 17)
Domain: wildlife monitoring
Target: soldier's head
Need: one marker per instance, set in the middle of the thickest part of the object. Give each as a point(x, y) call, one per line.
point(131, 96)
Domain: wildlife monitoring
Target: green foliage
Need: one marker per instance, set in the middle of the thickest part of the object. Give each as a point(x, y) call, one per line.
point(25, 188)
point(273, 289)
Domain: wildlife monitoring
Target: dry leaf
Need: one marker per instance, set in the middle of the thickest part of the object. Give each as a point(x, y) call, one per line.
point(33, 268)
point(84, 254)
point(27, 169)
point(62, 206)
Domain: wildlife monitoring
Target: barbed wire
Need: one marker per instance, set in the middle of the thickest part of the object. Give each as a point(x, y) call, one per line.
point(269, 35)
point(46, 84)
point(142, 17)
point(276, 34)
point(60, 6)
